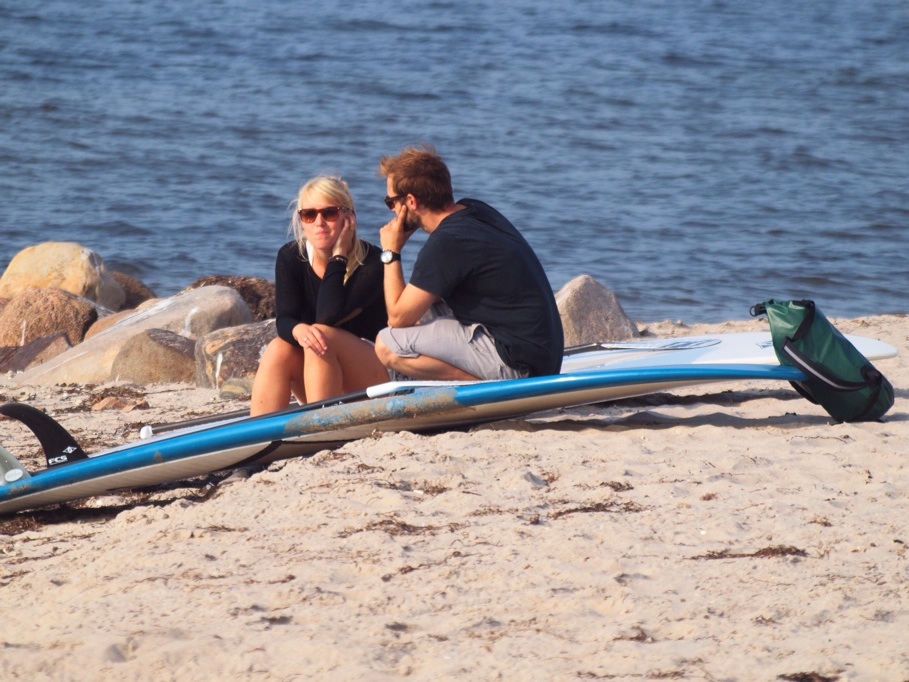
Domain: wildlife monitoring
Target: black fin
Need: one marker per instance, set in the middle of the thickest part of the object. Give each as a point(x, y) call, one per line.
point(58, 444)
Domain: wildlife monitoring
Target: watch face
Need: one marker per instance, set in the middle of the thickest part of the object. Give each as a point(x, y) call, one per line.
point(388, 256)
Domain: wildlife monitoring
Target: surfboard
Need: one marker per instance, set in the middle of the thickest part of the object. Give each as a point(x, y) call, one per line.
point(257, 440)
point(733, 348)
point(600, 374)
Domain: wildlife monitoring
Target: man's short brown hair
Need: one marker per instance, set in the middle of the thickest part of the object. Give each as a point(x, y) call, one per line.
point(420, 171)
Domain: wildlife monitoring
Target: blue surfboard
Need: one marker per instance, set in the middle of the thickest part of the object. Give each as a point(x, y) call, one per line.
point(306, 429)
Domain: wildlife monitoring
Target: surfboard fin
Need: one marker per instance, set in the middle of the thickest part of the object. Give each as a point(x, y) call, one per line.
point(58, 444)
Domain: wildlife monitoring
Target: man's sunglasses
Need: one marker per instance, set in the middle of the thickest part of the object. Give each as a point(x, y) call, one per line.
point(330, 213)
point(390, 201)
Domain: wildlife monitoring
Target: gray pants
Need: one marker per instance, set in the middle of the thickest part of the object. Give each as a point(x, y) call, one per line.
point(439, 335)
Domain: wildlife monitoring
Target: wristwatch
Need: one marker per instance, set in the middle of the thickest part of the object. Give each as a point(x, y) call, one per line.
point(389, 256)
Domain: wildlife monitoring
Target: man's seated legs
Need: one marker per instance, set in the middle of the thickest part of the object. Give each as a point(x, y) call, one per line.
point(443, 349)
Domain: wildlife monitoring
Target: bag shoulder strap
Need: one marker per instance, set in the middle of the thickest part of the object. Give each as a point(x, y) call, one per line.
point(818, 371)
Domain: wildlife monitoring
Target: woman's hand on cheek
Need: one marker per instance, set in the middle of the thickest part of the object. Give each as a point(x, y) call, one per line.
point(345, 241)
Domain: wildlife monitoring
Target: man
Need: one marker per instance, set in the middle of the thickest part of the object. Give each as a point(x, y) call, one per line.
point(499, 319)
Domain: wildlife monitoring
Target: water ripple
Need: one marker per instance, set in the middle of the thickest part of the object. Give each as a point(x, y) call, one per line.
point(694, 157)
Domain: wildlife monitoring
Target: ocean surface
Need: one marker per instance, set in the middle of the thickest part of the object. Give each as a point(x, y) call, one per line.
point(695, 156)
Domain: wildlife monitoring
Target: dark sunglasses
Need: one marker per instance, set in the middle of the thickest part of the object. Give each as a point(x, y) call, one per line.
point(390, 201)
point(330, 213)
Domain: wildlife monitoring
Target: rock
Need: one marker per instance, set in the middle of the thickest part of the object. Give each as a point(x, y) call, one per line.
point(64, 265)
point(33, 353)
point(36, 313)
point(591, 312)
point(108, 321)
point(192, 314)
point(135, 291)
point(236, 389)
point(156, 356)
point(232, 355)
point(114, 402)
point(258, 293)
point(7, 353)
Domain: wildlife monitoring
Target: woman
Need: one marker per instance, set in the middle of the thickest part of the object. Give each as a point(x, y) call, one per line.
point(329, 299)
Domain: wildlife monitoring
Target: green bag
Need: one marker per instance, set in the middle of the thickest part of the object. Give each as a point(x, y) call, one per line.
point(840, 379)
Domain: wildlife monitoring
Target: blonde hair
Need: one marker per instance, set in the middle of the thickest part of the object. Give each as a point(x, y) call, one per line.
point(335, 189)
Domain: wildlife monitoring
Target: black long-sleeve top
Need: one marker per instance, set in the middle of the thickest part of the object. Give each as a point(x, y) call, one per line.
point(301, 296)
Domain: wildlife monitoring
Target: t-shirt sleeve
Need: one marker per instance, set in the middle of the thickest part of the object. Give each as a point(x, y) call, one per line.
point(440, 265)
point(331, 304)
point(337, 299)
point(290, 293)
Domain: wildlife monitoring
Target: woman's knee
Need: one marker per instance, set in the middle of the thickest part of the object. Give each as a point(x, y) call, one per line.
point(279, 353)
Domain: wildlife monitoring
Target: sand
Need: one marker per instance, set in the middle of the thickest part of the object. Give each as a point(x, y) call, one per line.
point(724, 532)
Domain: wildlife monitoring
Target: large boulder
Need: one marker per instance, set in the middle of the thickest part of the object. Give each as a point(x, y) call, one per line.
point(232, 355)
point(108, 321)
point(64, 265)
point(35, 313)
point(192, 314)
point(18, 359)
point(258, 293)
point(590, 312)
point(156, 356)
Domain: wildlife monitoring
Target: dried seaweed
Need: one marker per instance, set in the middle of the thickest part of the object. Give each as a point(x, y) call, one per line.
point(612, 507)
point(395, 527)
point(766, 552)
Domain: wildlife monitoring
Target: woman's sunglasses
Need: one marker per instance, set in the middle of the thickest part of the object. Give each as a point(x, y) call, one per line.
point(330, 213)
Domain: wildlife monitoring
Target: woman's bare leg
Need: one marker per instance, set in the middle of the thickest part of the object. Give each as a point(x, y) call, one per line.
point(280, 374)
point(349, 364)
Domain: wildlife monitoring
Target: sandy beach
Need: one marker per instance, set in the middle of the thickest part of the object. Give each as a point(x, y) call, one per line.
point(723, 532)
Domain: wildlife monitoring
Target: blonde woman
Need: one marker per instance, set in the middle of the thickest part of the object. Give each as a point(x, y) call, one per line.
point(329, 305)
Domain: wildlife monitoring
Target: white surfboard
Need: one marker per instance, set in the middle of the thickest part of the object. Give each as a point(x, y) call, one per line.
point(740, 348)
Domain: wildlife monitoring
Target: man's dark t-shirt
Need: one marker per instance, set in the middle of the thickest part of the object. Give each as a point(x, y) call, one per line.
point(487, 273)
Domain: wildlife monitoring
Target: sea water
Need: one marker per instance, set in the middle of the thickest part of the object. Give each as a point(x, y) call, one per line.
point(696, 156)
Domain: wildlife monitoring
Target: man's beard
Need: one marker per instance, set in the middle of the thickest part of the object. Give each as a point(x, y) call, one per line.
point(412, 223)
